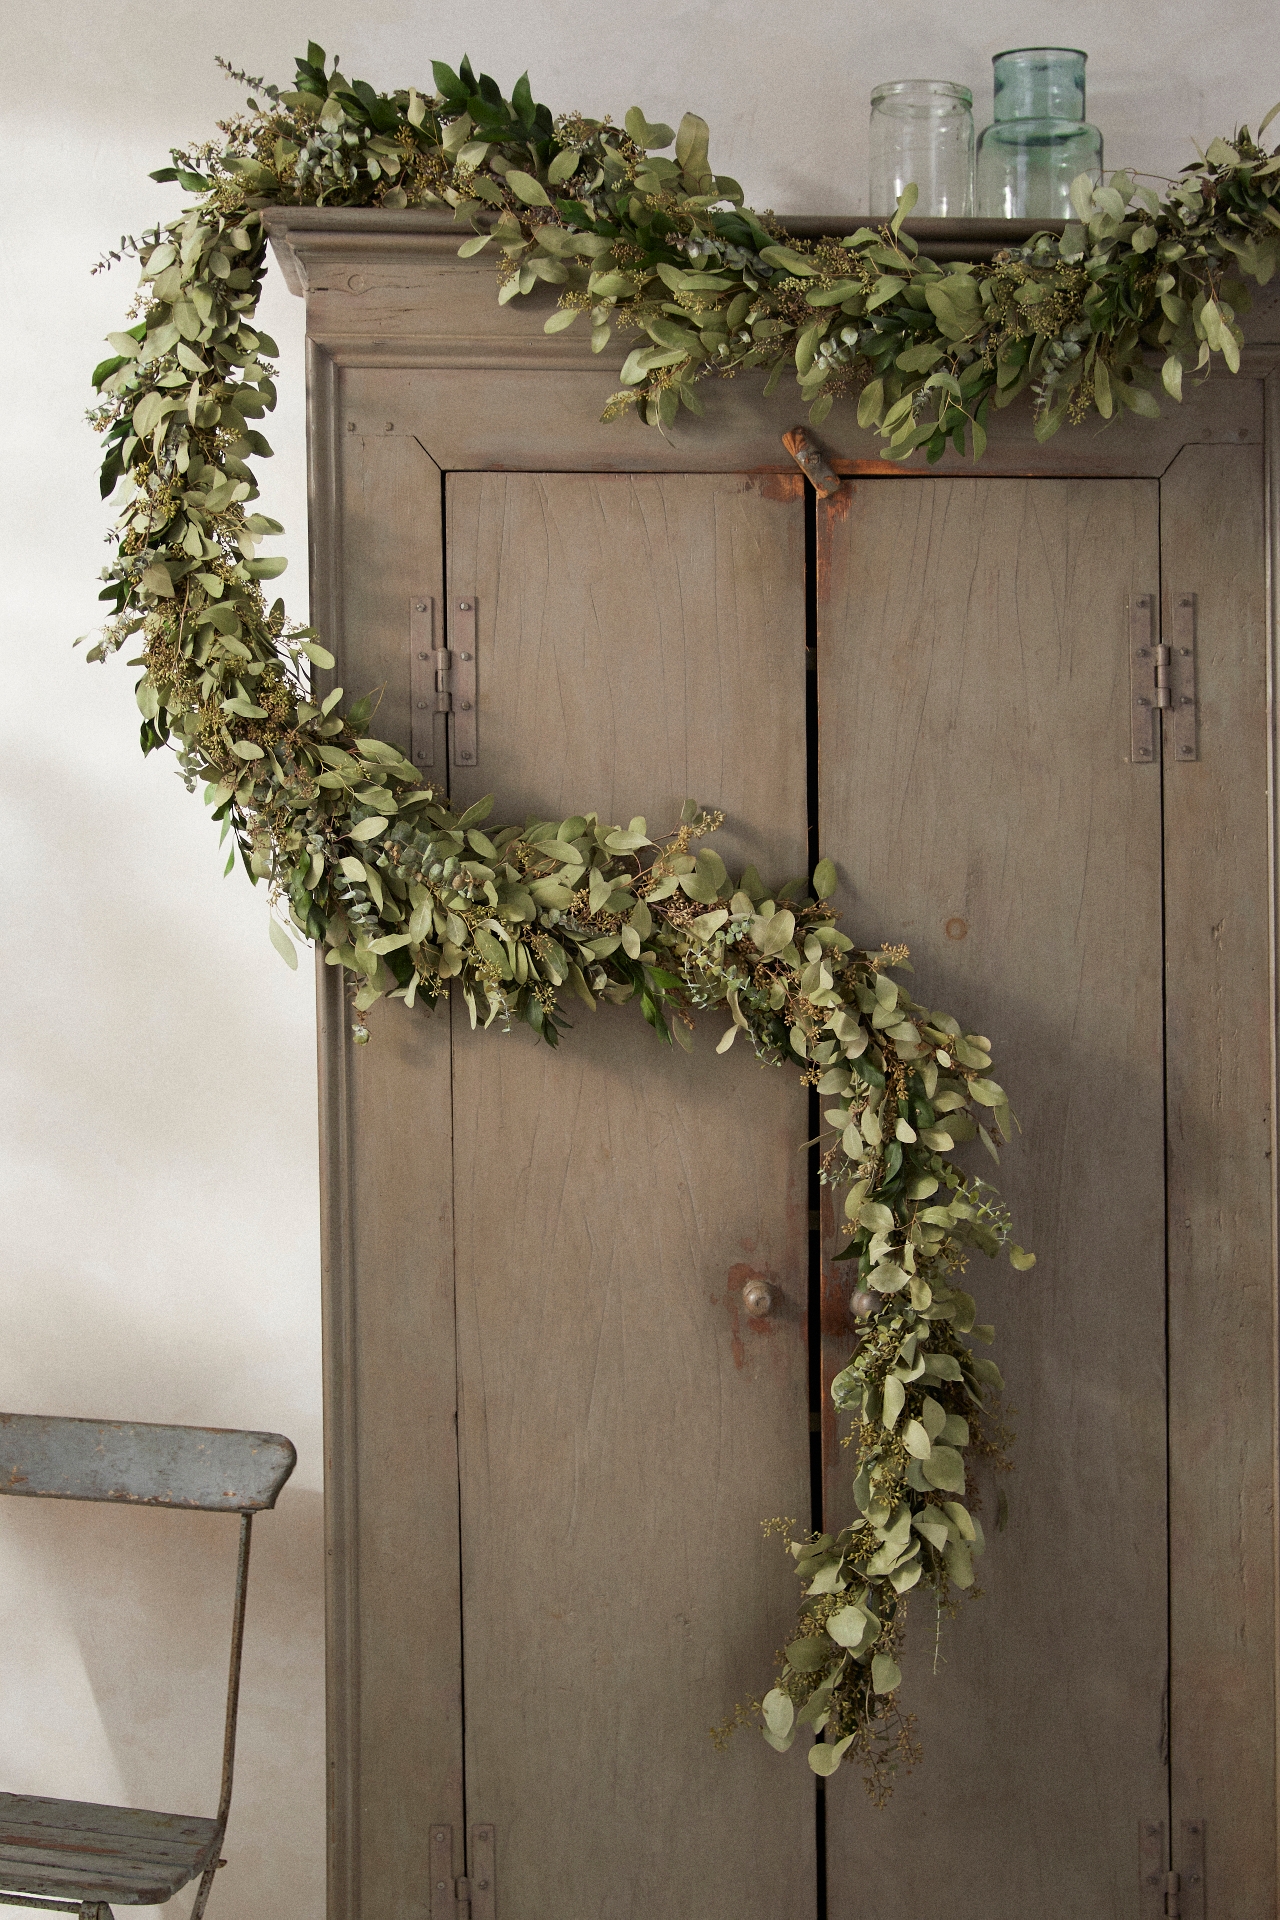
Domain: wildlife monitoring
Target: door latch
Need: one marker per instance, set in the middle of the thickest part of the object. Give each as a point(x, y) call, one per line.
point(442, 679)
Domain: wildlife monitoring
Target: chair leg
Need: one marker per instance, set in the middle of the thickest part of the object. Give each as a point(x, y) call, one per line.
point(206, 1885)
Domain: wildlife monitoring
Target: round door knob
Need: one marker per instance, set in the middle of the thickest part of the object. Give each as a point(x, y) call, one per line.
point(758, 1297)
point(863, 1303)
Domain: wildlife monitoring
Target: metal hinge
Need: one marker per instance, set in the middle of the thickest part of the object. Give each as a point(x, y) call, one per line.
point(471, 1897)
point(1165, 1894)
point(1162, 677)
point(442, 680)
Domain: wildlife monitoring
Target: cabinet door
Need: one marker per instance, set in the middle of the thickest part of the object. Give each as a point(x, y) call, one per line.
point(1222, 1455)
point(624, 1428)
point(976, 791)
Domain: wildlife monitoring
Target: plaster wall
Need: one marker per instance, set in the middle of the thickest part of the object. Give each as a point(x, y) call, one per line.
point(159, 1253)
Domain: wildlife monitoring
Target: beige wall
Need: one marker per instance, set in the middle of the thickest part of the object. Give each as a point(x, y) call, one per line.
point(160, 1242)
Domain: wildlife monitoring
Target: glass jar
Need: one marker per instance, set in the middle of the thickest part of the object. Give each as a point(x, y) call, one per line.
point(922, 131)
point(1039, 140)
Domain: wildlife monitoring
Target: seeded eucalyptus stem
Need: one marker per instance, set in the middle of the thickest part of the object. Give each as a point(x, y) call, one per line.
point(406, 896)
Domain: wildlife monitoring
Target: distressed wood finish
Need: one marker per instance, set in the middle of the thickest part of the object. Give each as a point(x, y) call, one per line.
point(624, 1426)
point(78, 1850)
point(1221, 1179)
point(484, 386)
point(395, 1684)
point(973, 692)
point(1043, 1730)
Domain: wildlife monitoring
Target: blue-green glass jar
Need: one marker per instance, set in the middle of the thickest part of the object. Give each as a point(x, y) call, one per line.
point(1039, 140)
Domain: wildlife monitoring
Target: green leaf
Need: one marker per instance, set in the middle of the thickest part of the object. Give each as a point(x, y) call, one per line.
point(282, 943)
point(895, 1395)
point(871, 404)
point(527, 188)
point(807, 1655)
point(778, 933)
point(369, 829)
point(564, 166)
point(779, 1711)
point(944, 1469)
point(825, 1759)
point(825, 880)
point(1020, 1259)
point(1102, 389)
point(849, 1627)
point(959, 1563)
point(651, 135)
point(987, 1093)
point(885, 1673)
point(246, 749)
point(906, 201)
point(692, 144)
point(787, 260)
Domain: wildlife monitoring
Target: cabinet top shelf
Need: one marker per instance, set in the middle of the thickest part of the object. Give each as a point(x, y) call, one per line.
point(939, 239)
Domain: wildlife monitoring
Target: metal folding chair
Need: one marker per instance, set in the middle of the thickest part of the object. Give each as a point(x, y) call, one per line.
point(72, 1856)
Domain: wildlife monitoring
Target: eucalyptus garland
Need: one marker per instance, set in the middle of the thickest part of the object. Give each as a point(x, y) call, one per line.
point(406, 895)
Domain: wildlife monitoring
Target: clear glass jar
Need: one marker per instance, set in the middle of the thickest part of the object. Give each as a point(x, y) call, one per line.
point(1039, 140)
point(922, 131)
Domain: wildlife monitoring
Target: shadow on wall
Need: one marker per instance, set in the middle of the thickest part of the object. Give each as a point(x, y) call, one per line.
point(131, 1644)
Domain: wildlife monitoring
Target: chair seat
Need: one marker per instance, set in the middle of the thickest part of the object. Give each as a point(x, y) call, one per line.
point(77, 1850)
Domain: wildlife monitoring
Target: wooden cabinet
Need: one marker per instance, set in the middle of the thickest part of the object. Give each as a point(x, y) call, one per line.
point(553, 1428)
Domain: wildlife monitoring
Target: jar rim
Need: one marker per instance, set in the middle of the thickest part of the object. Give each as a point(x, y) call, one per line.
point(955, 88)
point(1009, 52)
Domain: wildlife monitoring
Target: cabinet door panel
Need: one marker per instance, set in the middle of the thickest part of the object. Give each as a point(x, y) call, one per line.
point(391, 1477)
point(1221, 1188)
point(975, 790)
point(623, 1428)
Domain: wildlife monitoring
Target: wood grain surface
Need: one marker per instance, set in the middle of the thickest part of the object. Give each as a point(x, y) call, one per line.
point(1221, 1189)
point(391, 1467)
point(973, 690)
point(624, 1428)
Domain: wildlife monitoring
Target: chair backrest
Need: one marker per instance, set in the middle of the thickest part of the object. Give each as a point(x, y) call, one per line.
point(218, 1469)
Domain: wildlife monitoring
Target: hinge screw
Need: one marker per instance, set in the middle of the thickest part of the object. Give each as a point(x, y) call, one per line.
point(424, 656)
point(464, 656)
point(464, 756)
point(464, 606)
point(422, 606)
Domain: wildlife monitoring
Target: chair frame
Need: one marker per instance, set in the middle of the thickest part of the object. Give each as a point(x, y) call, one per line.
point(142, 1464)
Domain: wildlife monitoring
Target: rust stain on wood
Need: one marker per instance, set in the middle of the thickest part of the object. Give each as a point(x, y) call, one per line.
point(763, 1325)
point(771, 485)
point(811, 460)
